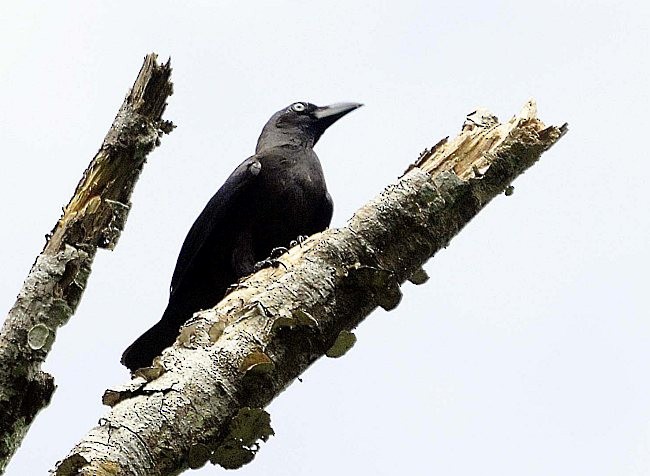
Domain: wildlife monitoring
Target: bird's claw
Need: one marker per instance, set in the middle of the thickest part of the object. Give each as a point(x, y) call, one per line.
point(277, 252)
point(298, 241)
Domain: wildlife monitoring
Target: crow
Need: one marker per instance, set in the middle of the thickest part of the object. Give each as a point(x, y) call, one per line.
point(270, 199)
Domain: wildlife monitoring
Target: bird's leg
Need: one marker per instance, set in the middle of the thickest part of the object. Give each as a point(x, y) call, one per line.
point(298, 241)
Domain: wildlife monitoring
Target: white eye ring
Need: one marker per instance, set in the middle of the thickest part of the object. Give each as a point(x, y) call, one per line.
point(298, 107)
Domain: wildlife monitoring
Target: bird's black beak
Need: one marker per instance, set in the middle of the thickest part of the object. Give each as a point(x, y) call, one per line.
point(328, 115)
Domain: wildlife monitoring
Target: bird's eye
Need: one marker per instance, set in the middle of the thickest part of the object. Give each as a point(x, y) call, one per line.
point(298, 107)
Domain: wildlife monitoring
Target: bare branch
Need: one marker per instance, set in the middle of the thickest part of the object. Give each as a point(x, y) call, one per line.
point(203, 399)
point(94, 218)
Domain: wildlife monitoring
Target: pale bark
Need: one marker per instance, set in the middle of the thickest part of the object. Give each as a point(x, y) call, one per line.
point(202, 399)
point(94, 218)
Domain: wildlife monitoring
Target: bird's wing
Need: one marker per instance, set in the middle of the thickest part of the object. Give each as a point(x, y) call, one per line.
point(212, 216)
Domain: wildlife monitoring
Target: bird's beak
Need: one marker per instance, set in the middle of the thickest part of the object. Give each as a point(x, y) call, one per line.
point(328, 115)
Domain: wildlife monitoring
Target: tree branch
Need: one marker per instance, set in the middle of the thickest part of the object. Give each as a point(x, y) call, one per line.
point(94, 218)
point(203, 399)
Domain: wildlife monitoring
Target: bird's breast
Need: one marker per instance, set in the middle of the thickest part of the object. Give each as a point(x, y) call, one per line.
point(288, 204)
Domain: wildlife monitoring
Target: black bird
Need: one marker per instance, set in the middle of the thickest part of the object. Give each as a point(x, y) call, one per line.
point(271, 198)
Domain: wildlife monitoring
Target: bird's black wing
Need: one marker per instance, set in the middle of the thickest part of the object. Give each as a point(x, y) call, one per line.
point(220, 206)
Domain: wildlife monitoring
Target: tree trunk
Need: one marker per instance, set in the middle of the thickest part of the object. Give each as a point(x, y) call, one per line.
point(94, 218)
point(202, 400)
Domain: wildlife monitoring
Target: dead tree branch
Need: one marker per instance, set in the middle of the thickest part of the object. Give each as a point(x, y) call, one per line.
point(93, 219)
point(202, 400)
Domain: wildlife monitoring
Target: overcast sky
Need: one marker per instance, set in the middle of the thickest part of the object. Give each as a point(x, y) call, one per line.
point(526, 353)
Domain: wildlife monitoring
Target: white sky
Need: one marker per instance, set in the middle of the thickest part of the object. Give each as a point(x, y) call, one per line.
point(528, 350)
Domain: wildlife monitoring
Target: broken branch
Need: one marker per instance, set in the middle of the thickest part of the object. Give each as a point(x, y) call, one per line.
point(94, 218)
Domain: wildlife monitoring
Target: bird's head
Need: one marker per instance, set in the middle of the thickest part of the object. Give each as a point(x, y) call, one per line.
point(302, 123)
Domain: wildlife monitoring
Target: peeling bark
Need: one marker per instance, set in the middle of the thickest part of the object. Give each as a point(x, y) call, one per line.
point(202, 399)
point(93, 219)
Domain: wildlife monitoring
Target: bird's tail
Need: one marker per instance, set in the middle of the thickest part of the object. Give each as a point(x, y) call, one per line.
point(149, 345)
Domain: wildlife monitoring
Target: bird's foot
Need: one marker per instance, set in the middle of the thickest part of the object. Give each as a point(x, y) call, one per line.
point(298, 241)
point(272, 261)
point(269, 263)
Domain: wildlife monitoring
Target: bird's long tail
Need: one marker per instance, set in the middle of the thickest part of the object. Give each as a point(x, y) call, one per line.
point(150, 344)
